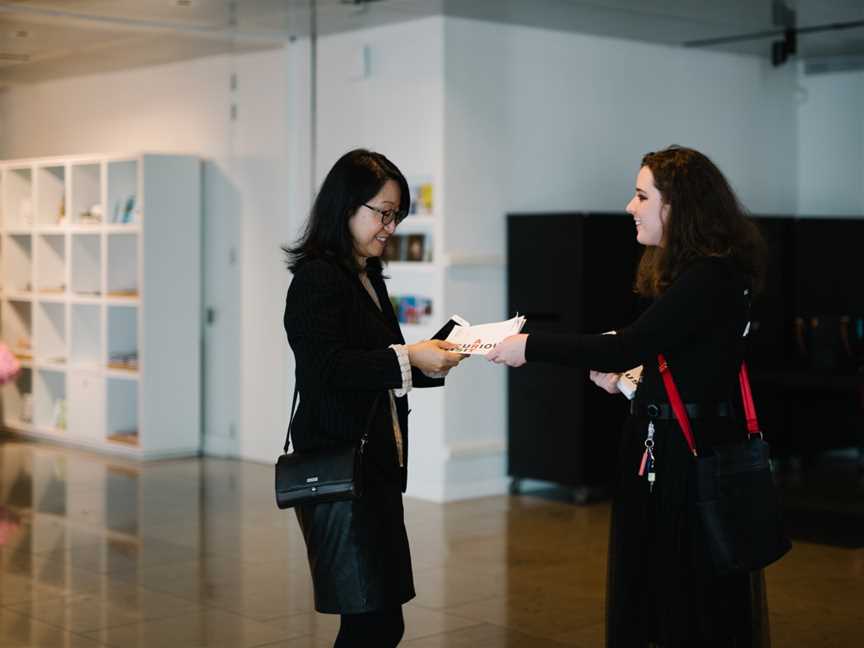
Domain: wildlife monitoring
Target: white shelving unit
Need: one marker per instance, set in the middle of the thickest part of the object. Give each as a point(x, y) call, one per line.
point(100, 299)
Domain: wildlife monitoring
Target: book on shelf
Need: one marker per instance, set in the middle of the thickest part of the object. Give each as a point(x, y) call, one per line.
point(125, 211)
point(58, 417)
point(411, 309)
point(407, 248)
point(422, 196)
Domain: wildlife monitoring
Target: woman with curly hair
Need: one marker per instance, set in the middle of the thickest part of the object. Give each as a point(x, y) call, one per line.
point(703, 258)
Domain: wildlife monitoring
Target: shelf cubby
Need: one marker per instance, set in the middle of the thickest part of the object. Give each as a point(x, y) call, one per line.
point(122, 207)
point(18, 398)
point(86, 408)
point(86, 264)
point(122, 268)
point(17, 327)
point(122, 424)
point(86, 194)
point(18, 198)
point(86, 281)
point(49, 400)
point(123, 338)
point(51, 195)
point(51, 263)
point(17, 263)
point(50, 333)
point(85, 348)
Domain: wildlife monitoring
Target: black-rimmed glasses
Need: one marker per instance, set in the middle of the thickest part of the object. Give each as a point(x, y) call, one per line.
point(388, 215)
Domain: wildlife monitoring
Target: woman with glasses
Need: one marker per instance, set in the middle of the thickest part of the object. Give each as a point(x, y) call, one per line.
point(703, 256)
point(353, 372)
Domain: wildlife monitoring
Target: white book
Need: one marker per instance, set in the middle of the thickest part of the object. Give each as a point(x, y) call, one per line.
point(482, 338)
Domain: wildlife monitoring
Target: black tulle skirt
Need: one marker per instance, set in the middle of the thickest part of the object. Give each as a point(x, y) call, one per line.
point(654, 598)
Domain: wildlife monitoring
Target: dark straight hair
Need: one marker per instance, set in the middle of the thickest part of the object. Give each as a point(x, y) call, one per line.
point(356, 178)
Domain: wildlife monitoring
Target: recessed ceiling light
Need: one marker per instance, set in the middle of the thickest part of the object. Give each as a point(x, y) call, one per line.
point(21, 33)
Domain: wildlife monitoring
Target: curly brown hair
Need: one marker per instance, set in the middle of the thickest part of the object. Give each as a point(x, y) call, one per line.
point(705, 219)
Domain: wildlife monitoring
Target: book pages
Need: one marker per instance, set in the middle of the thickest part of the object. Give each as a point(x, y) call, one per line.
point(482, 338)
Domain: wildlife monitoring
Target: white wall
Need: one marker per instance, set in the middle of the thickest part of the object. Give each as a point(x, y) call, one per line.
point(831, 141)
point(185, 107)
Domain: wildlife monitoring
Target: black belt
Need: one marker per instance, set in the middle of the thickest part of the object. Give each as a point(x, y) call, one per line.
point(694, 410)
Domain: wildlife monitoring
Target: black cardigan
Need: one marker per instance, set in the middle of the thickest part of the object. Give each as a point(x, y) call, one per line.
point(344, 365)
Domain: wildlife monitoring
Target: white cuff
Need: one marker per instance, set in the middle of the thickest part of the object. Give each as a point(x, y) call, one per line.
point(405, 368)
point(442, 374)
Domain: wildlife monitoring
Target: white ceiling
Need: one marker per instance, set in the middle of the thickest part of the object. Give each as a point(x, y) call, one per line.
point(43, 39)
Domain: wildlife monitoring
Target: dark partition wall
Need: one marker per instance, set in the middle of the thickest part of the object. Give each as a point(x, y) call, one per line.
point(567, 273)
point(807, 347)
point(574, 273)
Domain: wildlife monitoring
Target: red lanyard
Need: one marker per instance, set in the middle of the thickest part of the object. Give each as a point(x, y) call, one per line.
point(681, 412)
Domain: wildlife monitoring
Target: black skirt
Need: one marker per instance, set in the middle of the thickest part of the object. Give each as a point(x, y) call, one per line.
point(653, 596)
point(358, 552)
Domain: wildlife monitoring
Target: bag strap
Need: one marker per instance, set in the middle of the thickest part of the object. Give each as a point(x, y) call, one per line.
point(676, 402)
point(681, 413)
point(747, 398)
point(363, 440)
point(290, 421)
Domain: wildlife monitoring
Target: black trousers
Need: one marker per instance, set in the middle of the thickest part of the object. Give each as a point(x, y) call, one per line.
point(382, 629)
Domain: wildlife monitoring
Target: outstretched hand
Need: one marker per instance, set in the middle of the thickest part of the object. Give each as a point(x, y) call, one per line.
point(510, 351)
point(606, 381)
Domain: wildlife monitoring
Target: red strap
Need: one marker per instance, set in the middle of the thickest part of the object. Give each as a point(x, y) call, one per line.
point(676, 403)
point(681, 413)
point(747, 399)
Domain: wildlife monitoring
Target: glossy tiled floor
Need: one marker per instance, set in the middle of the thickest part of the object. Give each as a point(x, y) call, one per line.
point(194, 553)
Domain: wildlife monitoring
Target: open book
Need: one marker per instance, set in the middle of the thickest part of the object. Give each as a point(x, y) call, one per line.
point(479, 339)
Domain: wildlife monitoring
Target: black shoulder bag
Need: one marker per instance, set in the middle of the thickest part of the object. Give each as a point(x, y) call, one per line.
point(736, 519)
point(325, 475)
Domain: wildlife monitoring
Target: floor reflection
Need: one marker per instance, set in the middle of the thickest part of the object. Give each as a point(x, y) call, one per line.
point(98, 551)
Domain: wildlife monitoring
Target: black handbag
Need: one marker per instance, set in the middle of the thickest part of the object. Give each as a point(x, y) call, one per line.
point(734, 510)
point(325, 475)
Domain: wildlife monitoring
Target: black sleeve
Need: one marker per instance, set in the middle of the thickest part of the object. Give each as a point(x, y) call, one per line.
point(316, 314)
point(688, 305)
point(420, 380)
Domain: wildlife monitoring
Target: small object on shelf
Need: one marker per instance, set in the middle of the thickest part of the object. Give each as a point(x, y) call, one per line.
point(416, 247)
point(127, 214)
point(56, 360)
point(422, 197)
point(58, 419)
point(53, 290)
point(91, 217)
point(129, 437)
point(411, 248)
point(123, 293)
point(393, 249)
point(412, 309)
point(125, 361)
